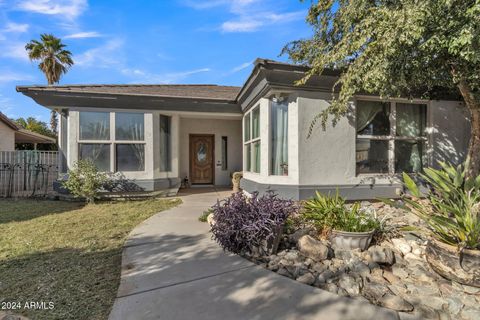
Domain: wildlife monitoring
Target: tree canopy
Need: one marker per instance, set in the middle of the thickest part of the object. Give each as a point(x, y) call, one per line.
point(396, 48)
point(54, 61)
point(35, 125)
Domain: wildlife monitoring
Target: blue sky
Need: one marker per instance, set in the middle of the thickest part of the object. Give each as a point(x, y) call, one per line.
point(127, 41)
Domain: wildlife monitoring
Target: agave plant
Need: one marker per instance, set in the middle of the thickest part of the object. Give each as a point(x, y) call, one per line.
point(452, 211)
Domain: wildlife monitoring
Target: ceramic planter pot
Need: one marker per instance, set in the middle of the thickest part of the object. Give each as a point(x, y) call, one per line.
point(351, 240)
point(447, 262)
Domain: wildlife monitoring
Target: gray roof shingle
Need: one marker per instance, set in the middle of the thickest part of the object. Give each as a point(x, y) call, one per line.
point(200, 91)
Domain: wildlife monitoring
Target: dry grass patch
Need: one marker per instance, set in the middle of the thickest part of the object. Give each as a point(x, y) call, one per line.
point(67, 253)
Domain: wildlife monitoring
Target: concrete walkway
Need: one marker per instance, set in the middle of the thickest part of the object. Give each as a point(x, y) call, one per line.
point(172, 270)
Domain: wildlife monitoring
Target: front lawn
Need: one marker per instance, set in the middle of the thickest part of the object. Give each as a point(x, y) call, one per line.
point(66, 253)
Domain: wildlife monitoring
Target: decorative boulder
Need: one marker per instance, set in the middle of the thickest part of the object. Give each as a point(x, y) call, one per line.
point(312, 248)
point(381, 255)
point(210, 219)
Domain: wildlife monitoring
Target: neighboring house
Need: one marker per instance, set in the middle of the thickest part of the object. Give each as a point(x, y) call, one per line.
point(11, 133)
point(157, 135)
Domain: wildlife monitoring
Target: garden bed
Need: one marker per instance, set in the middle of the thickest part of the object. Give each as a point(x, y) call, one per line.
point(392, 273)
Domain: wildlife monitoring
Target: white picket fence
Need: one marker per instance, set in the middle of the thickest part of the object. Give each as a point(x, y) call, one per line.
point(27, 173)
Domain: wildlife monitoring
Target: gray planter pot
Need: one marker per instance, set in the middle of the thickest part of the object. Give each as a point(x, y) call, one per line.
point(351, 240)
point(445, 260)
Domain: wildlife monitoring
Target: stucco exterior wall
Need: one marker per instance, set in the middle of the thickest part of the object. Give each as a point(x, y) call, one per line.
point(219, 127)
point(326, 160)
point(7, 140)
point(450, 131)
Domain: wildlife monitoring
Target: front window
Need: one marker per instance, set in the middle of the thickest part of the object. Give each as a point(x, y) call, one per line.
point(252, 145)
point(279, 138)
point(129, 126)
point(94, 126)
point(124, 142)
point(390, 137)
point(165, 144)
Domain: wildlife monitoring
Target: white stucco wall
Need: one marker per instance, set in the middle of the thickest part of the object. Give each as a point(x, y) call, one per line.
point(7, 140)
point(219, 127)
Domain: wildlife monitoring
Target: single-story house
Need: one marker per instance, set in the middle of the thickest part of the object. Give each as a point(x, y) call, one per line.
point(158, 135)
point(11, 134)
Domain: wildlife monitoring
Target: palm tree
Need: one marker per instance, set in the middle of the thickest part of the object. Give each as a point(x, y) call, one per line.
point(54, 62)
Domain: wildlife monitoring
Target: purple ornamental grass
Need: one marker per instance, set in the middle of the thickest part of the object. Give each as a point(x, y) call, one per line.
point(242, 223)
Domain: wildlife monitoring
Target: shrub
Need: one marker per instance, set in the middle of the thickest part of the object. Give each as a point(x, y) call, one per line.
point(85, 181)
point(242, 223)
point(203, 217)
point(452, 211)
point(326, 213)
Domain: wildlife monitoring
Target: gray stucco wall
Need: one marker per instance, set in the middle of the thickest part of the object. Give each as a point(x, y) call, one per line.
point(326, 160)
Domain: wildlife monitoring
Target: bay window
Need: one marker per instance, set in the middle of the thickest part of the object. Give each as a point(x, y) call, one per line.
point(125, 141)
point(279, 137)
point(391, 137)
point(251, 127)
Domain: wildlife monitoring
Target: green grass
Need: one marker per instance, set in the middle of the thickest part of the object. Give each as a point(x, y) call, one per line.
point(67, 253)
point(203, 217)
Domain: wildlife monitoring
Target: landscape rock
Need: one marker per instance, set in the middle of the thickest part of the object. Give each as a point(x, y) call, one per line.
point(381, 255)
point(307, 278)
point(395, 303)
point(312, 248)
point(470, 313)
point(391, 277)
point(399, 271)
point(402, 245)
point(211, 220)
point(361, 268)
point(349, 284)
point(324, 276)
point(374, 291)
point(294, 237)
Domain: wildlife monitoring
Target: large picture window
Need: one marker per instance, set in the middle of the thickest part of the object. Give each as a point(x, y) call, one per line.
point(101, 142)
point(279, 137)
point(252, 145)
point(391, 137)
point(94, 126)
point(129, 126)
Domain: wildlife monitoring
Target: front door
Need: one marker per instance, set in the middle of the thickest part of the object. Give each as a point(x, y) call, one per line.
point(201, 159)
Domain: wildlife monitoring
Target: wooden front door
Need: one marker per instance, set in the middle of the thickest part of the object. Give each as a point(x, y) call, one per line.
point(201, 159)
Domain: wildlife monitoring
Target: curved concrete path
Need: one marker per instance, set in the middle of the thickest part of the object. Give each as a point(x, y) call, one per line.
point(172, 270)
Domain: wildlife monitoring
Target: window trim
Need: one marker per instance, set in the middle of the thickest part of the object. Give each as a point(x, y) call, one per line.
point(112, 141)
point(391, 138)
point(251, 140)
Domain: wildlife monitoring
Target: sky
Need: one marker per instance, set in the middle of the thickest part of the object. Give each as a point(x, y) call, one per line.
point(144, 41)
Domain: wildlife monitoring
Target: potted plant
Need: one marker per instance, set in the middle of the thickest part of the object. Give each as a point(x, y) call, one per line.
point(452, 213)
point(348, 227)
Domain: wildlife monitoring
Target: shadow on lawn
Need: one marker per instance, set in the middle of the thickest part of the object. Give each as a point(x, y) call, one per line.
point(187, 277)
point(27, 209)
point(81, 285)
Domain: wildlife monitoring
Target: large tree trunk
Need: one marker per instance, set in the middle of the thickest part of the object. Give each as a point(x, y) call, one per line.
point(53, 121)
point(473, 105)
